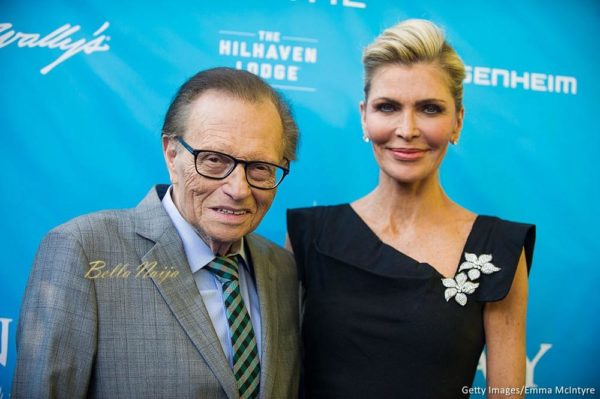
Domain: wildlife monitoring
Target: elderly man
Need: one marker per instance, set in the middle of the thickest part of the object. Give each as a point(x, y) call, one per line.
point(175, 298)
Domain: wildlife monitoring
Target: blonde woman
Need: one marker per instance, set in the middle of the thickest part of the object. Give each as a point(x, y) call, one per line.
point(404, 287)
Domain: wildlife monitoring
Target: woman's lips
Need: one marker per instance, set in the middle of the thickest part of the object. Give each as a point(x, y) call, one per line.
point(408, 154)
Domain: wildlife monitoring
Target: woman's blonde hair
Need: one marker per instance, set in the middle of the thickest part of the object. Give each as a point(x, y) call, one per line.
point(415, 41)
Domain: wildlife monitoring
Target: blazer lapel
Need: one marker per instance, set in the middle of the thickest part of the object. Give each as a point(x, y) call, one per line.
point(179, 290)
point(267, 294)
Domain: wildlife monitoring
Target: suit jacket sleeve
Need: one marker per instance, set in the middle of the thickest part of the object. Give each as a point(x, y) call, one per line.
point(56, 336)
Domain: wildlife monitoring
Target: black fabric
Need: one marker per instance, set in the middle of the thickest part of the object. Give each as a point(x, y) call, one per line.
point(376, 323)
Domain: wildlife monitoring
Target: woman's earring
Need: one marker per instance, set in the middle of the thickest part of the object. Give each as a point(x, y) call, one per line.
point(366, 138)
point(454, 141)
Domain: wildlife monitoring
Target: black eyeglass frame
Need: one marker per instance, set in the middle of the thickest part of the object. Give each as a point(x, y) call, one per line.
point(236, 161)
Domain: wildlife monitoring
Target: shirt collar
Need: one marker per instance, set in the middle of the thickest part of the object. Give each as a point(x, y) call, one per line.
point(198, 253)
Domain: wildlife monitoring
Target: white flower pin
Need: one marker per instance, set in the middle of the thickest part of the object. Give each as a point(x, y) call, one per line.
point(458, 287)
point(477, 265)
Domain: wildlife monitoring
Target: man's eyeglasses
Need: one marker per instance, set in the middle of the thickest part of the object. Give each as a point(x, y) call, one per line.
point(216, 165)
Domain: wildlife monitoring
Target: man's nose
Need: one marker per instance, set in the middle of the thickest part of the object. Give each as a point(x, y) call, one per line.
point(236, 184)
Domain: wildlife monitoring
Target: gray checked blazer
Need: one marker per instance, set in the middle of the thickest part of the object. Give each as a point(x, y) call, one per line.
point(142, 336)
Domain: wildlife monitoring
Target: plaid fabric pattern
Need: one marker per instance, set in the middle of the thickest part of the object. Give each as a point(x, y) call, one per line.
point(246, 365)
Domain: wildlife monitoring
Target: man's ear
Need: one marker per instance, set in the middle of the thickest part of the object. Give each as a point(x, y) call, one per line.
point(170, 151)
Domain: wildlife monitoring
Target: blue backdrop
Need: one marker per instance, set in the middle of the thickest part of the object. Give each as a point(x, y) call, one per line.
point(85, 85)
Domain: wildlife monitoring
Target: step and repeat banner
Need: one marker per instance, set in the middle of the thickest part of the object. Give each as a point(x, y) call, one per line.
point(85, 85)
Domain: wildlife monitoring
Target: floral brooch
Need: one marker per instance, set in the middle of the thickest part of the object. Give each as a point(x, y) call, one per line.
point(464, 284)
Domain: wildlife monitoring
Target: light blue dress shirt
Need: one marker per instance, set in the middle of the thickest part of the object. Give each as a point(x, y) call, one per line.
point(199, 255)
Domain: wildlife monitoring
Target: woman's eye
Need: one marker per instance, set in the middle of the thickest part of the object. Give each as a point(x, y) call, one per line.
point(432, 109)
point(386, 107)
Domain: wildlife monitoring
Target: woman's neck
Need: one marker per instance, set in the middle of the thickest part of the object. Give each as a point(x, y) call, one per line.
point(396, 203)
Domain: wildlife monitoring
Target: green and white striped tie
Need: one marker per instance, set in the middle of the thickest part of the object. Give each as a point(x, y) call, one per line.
point(246, 364)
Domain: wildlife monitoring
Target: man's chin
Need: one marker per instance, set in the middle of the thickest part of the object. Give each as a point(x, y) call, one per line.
point(229, 236)
point(224, 244)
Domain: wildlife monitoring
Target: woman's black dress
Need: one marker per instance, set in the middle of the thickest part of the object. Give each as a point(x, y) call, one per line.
point(379, 324)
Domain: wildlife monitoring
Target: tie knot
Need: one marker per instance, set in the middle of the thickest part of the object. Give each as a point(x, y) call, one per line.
point(225, 268)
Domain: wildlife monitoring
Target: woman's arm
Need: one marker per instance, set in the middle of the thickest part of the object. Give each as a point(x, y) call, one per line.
point(504, 323)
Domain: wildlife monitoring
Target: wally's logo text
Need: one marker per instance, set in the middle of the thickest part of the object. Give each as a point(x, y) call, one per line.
point(58, 39)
